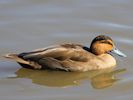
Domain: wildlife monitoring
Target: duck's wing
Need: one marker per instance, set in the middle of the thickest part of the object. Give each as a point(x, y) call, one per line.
point(59, 52)
point(56, 57)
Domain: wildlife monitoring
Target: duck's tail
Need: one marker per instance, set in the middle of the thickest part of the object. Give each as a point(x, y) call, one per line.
point(15, 58)
point(22, 61)
point(11, 56)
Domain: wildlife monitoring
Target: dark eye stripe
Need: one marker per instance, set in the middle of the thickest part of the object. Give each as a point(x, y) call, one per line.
point(106, 42)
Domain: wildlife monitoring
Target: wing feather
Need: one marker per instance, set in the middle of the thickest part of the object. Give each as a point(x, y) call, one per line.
point(74, 52)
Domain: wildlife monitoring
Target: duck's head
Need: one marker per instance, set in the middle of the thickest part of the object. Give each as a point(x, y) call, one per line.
point(103, 44)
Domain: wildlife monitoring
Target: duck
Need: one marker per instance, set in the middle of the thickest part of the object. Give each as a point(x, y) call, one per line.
point(71, 57)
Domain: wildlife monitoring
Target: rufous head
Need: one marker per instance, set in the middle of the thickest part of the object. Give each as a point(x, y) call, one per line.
point(103, 44)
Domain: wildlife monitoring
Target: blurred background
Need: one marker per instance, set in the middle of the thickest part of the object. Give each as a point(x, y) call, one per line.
point(32, 24)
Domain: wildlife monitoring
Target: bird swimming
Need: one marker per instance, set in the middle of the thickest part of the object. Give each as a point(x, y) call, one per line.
point(71, 57)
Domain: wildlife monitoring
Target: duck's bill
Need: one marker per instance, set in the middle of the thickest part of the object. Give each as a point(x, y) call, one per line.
point(118, 52)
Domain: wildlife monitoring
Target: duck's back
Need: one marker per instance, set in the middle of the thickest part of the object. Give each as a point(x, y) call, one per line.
point(60, 52)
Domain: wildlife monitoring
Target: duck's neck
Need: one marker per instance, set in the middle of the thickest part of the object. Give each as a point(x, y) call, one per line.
point(87, 49)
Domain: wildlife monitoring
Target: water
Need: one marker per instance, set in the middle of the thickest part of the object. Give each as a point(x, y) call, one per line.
point(30, 24)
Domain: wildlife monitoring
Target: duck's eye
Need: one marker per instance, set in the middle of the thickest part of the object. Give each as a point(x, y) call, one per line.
point(106, 42)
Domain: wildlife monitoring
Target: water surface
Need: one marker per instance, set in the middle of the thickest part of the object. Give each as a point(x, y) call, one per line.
point(31, 24)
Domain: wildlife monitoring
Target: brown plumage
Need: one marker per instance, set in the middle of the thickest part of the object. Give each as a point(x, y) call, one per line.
point(70, 57)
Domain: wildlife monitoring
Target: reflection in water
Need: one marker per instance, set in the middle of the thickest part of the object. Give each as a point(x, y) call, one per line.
point(99, 79)
point(105, 79)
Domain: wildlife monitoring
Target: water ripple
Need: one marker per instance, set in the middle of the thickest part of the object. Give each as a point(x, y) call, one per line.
point(124, 40)
point(111, 24)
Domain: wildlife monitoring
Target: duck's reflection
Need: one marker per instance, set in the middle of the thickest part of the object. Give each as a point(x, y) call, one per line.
point(99, 79)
